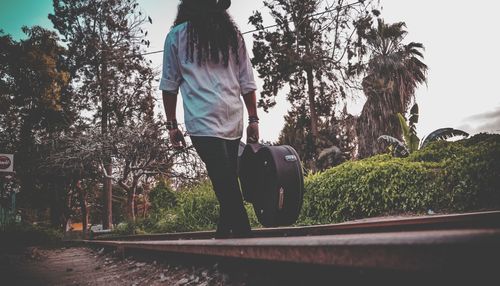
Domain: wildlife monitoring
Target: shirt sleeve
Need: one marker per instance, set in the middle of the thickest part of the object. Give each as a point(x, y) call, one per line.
point(246, 78)
point(171, 76)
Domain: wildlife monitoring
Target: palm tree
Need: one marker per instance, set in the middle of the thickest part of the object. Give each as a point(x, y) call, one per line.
point(394, 71)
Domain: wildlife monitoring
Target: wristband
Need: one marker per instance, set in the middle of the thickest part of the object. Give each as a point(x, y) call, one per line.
point(172, 125)
point(253, 119)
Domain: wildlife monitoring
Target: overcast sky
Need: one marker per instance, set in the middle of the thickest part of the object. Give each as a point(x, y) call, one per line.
point(461, 40)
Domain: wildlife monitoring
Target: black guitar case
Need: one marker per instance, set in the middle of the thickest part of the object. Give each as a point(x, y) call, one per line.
point(272, 181)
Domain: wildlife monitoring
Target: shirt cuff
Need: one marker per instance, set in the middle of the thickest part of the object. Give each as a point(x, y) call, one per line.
point(249, 87)
point(169, 85)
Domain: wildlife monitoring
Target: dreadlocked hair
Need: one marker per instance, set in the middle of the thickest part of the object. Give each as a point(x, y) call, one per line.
point(211, 31)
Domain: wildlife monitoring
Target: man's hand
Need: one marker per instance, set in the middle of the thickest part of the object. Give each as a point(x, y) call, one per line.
point(253, 133)
point(177, 139)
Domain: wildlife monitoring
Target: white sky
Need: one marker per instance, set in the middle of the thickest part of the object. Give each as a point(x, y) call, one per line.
point(461, 41)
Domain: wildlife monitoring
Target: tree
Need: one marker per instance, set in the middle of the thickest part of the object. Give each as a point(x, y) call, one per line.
point(143, 154)
point(393, 72)
point(336, 138)
point(36, 104)
point(104, 42)
point(411, 141)
point(310, 51)
point(65, 162)
point(140, 154)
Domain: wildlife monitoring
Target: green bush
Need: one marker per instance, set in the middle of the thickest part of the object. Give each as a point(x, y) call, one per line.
point(191, 209)
point(162, 196)
point(130, 228)
point(444, 177)
point(198, 208)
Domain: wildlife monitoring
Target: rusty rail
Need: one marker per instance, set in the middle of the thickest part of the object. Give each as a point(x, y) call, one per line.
point(430, 243)
point(373, 225)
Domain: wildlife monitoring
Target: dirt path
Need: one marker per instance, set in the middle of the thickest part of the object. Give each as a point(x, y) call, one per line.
point(84, 266)
point(87, 266)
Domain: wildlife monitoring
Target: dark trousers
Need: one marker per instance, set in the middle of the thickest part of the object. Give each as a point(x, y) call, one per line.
point(220, 157)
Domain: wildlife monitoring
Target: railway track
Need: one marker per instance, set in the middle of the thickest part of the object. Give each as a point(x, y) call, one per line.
point(430, 243)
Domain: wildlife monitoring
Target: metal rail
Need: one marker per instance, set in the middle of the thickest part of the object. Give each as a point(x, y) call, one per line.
point(431, 243)
point(408, 251)
point(373, 225)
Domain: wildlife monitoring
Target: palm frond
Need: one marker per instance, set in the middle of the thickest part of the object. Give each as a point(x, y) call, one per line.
point(414, 115)
point(404, 127)
point(443, 134)
point(415, 49)
point(413, 144)
point(415, 45)
point(414, 140)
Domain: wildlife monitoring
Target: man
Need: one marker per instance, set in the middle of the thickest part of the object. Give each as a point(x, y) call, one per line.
point(206, 57)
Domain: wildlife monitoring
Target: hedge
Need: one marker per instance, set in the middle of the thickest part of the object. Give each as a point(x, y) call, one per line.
point(444, 177)
point(193, 208)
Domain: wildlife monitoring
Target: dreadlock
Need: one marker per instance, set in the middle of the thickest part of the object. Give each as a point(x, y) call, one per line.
point(210, 30)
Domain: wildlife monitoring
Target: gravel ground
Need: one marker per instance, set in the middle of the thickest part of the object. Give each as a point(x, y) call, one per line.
point(85, 266)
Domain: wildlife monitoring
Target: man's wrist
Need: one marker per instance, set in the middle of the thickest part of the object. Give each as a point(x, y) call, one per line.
point(171, 125)
point(253, 119)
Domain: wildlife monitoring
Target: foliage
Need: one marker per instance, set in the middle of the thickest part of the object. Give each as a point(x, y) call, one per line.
point(104, 40)
point(36, 104)
point(393, 72)
point(198, 208)
point(410, 128)
point(76, 102)
point(444, 177)
point(113, 81)
point(140, 153)
point(310, 53)
point(398, 148)
point(34, 85)
point(129, 227)
point(442, 134)
point(411, 140)
point(194, 208)
point(162, 197)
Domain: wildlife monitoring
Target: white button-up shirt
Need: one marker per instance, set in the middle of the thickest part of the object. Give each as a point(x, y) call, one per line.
point(211, 92)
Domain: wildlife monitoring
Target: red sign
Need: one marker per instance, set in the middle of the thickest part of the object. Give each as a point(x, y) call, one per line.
point(4, 162)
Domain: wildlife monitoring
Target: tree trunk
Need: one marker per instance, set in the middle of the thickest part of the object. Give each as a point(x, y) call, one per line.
point(312, 105)
point(68, 224)
point(376, 119)
point(67, 210)
point(314, 116)
point(131, 190)
point(82, 194)
point(58, 206)
point(55, 209)
point(145, 209)
point(108, 184)
point(108, 197)
point(131, 204)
